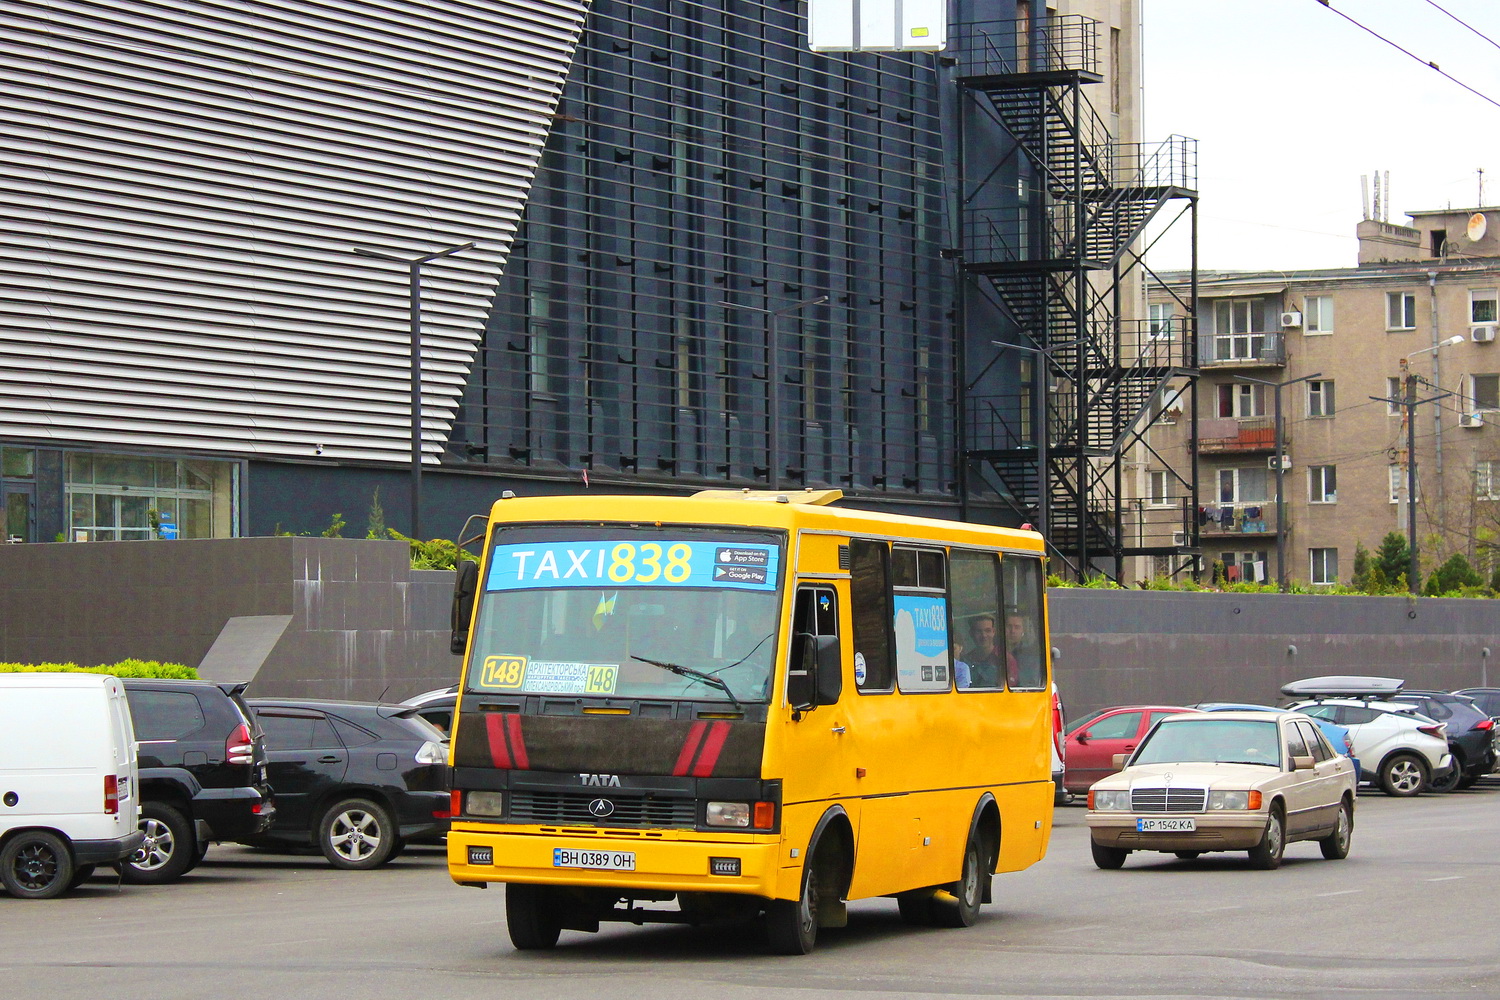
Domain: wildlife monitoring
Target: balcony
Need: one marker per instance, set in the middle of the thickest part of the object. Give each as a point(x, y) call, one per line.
point(1220, 523)
point(1238, 436)
point(1245, 350)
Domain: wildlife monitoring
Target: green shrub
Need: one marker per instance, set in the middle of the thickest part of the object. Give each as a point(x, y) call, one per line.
point(435, 553)
point(125, 668)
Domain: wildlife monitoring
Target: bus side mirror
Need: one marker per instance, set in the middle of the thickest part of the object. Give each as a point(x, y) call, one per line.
point(830, 670)
point(802, 677)
point(816, 676)
point(465, 587)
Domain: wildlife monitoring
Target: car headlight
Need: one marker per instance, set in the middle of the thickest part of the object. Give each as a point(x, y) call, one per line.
point(1109, 800)
point(1233, 799)
point(484, 803)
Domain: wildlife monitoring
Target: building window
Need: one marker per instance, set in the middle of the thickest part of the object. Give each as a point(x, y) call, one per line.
point(1322, 484)
point(1162, 322)
point(1397, 476)
point(1400, 311)
point(1234, 316)
point(1320, 398)
point(1324, 568)
point(1161, 489)
point(1484, 392)
point(1487, 480)
point(1317, 314)
point(1393, 392)
point(129, 497)
point(1242, 399)
point(1482, 305)
point(1249, 567)
point(1243, 485)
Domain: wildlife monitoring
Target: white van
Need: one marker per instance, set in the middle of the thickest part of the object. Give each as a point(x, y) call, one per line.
point(68, 784)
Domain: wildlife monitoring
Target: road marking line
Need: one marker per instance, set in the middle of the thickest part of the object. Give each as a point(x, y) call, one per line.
point(1341, 892)
point(1447, 878)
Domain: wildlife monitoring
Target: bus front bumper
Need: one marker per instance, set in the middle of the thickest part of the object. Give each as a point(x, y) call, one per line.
point(664, 861)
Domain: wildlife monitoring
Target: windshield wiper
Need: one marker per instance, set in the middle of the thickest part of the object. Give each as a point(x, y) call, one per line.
point(696, 675)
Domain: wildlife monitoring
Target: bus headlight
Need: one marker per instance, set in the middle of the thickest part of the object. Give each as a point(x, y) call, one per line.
point(1117, 800)
point(728, 814)
point(484, 803)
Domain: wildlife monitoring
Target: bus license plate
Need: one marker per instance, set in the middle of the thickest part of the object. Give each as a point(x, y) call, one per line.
point(611, 861)
point(1185, 824)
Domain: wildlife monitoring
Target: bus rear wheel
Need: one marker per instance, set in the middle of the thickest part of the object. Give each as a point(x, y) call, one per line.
point(531, 916)
point(959, 905)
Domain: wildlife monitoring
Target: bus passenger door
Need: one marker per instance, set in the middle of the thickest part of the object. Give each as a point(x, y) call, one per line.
point(816, 768)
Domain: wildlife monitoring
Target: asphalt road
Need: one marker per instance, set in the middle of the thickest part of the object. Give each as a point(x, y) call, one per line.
point(1413, 912)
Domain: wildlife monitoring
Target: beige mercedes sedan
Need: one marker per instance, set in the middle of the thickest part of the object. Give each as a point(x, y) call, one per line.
point(1225, 781)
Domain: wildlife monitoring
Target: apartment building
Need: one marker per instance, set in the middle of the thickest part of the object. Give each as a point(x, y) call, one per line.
point(1330, 351)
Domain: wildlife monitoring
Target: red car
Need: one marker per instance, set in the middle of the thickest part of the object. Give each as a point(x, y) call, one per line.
point(1094, 740)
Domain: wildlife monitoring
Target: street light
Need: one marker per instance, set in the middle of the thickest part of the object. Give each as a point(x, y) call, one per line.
point(1280, 474)
point(1409, 403)
point(1042, 429)
point(414, 266)
point(773, 377)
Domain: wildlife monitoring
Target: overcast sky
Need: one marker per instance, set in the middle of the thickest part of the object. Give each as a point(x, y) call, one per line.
point(1291, 103)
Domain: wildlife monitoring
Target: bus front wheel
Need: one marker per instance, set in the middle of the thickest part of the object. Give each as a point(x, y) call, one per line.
point(792, 924)
point(531, 916)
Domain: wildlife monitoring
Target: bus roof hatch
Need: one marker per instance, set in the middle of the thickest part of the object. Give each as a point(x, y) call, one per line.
point(808, 496)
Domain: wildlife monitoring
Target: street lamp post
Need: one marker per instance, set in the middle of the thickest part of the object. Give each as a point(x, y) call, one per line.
point(773, 377)
point(1409, 403)
point(414, 268)
point(1042, 429)
point(1276, 387)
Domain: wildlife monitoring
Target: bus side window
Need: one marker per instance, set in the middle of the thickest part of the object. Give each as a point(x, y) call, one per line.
point(870, 613)
point(1025, 625)
point(976, 620)
point(815, 613)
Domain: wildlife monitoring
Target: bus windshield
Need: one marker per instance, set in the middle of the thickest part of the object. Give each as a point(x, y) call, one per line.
point(684, 614)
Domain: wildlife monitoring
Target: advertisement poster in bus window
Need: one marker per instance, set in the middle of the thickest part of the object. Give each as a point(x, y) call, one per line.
point(659, 562)
point(921, 642)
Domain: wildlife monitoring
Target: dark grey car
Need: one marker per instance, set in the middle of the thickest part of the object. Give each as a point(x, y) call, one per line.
point(358, 780)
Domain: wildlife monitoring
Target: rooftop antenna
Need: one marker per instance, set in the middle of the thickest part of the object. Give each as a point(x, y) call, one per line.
point(1480, 172)
point(1364, 195)
point(1386, 208)
point(1377, 196)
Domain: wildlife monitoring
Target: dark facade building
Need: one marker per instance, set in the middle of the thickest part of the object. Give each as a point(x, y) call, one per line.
point(703, 254)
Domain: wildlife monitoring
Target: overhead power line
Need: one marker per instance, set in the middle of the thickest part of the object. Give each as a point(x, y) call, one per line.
point(1466, 24)
point(1424, 62)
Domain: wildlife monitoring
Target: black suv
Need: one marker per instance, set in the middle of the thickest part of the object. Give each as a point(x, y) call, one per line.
point(1471, 735)
point(202, 772)
point(356, 779)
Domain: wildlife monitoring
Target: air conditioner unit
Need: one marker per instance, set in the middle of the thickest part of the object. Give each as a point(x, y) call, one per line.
point(1483, 334)
point(1179, 538)
point(1283, 463)
point(1291, 319)
point(1471, 420)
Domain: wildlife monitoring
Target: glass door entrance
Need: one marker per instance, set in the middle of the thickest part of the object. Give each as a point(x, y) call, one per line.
point(18, 515)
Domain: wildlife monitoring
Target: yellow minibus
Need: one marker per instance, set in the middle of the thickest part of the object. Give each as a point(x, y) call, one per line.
point(746, 705)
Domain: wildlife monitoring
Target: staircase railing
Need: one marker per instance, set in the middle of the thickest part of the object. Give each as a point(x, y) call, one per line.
point(1003, 48)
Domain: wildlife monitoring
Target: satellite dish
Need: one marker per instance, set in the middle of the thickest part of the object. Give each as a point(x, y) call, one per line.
point(1477, 226)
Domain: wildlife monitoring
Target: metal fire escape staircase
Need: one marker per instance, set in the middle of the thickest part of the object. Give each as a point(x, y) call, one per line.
point(1053, 265)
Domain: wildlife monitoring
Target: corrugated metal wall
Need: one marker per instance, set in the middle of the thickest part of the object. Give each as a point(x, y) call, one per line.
point(186, 184)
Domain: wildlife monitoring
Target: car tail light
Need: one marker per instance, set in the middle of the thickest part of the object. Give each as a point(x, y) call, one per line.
point(111, 794)
point(1485, 724)
point(1348, 745)
point(1057, 726)
point(240, 747)
point(1431, 731)
point(432, 753)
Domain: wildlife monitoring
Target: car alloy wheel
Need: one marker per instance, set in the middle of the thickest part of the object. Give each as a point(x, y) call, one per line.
point(167, 850)
point(35, 865)
point(357, 834)
point(1403, 776)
